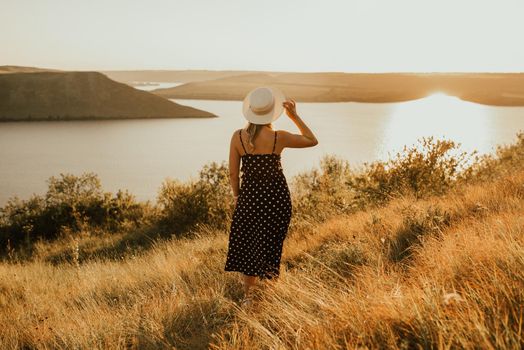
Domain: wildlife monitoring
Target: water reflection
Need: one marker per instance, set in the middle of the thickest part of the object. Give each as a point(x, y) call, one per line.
point(153, 85)
point(441, 116)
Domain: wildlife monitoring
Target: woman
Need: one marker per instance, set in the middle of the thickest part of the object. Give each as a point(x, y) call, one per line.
point(262, 203)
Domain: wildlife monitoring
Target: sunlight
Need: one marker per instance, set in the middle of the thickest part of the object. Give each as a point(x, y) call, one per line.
point(439, 115)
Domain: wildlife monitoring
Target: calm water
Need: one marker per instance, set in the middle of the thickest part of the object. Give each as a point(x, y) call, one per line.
point(140, 154)
point(152, 85)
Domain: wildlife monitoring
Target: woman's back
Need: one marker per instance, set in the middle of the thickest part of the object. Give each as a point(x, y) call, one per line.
point(266, 141)
point(261, 164)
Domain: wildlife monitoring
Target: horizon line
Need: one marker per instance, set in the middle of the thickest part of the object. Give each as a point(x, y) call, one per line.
point(263, 71)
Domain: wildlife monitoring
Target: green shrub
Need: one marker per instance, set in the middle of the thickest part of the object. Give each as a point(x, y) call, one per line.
point(507, 158)
point(336, 188)
point(19, 219)
point(318, 194)
point(183, 206)
point(431, 170)
point(72, 203)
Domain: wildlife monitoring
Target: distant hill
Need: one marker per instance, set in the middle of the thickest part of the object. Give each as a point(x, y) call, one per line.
point(21, 69)
point(504, 89)
point(169, 76)
point(81, 95)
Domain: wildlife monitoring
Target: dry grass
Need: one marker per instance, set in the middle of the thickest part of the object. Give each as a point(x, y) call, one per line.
point(443, 272)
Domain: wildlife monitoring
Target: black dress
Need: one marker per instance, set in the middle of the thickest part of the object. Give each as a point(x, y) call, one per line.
point(261, 217)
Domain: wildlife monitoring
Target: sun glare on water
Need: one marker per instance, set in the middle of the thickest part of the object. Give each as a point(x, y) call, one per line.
point(441, 116)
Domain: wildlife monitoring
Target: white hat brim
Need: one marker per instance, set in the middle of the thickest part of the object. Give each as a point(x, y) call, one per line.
point(268, 117)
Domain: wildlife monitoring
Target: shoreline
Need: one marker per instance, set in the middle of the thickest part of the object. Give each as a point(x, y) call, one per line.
point(334, 100)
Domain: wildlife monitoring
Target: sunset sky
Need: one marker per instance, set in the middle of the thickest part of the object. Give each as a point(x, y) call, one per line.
point(278, 35)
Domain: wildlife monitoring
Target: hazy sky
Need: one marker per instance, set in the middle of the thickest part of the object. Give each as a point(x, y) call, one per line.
point(280, 35)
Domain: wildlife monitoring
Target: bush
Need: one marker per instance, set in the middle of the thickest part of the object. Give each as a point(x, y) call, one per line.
point(419, 172)
point(183, 206)
point(337, 189)
point(72, 203)
point(318, 194)
point(19, 219)
point(507, 158)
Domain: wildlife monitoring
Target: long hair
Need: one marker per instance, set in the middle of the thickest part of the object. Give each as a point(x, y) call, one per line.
point(253, 130)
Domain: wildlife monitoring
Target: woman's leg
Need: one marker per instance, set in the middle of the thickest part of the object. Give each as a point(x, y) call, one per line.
point(249, 282)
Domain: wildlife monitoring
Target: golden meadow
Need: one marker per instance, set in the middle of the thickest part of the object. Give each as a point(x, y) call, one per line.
point(424, 250)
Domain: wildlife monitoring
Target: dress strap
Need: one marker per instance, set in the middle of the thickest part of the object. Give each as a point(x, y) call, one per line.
point(275, 142)
point(242, 142)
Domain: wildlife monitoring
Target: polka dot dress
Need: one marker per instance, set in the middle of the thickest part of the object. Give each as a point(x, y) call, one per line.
point(261, 217)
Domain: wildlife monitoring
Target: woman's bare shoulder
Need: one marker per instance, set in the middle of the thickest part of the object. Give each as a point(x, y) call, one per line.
point(283, 133)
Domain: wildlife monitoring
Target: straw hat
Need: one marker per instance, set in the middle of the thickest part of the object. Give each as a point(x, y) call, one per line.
point(263, 105)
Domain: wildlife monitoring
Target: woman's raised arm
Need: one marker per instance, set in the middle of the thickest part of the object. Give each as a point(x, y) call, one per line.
point(306, 139)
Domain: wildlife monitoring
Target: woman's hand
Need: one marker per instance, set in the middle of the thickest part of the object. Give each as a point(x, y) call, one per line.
point(291, 108)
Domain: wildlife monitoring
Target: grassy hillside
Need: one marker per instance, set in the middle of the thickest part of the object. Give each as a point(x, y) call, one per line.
point(504, 89)
point(421, 251)
point(81, 95)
